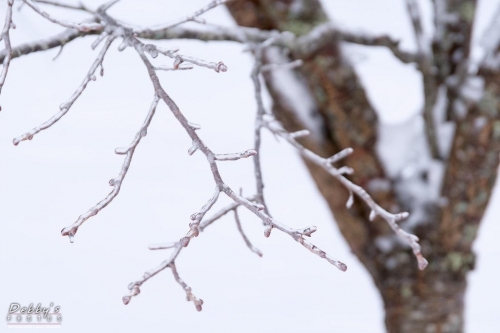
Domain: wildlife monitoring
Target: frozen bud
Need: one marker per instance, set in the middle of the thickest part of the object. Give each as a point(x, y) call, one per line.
point(185, 241)
point(308, 231)
point(102, 71)
point(92, 77)
point(199, 20)
point(121, 150)
point(373, 215)
point(346, 170)
point(267, 230)
point(123, 45)
point(192, 150)
point(299, 134)
point(401, 216)
point(341, 266)
point(350, 201)
point(151, 49)
point(221, 67)
point(177, 62)
point(126, 299)
point(194, 126)
point(259, 206)
point(422, 262)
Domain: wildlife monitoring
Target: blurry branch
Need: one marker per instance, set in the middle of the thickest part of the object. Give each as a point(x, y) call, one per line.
point(255, 75)
point(416, 21)
point(79, 26)
point(192, 17)
point(6, 38)
point(304, 46)
point(490, 42)
point(268, 121)
point(322, 35)
point(80, 5)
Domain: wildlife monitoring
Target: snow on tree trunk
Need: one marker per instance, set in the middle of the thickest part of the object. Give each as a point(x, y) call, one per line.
point(446, 186)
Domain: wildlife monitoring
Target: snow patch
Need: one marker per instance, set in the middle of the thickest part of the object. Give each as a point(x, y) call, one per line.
point(295, 93)
point(445, 130)
point(405, 156)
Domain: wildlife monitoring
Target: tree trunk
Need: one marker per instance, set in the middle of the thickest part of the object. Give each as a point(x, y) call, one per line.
point(415, 301)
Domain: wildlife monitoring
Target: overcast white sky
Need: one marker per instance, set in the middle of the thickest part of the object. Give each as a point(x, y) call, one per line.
point(47, 182)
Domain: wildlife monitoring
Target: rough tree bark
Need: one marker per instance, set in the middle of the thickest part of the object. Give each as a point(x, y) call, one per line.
point(415, 301)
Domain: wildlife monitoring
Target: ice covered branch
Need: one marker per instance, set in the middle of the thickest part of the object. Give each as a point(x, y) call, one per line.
point(297, 234)
point(245, 238)
point(192, 17)
point(323, 34)
point(79, 26)
point(6, 38)
point(376, 210)
point(416, 21)
point(64, 108)
point(189, 295)
point(55, 3)
point(115, 182)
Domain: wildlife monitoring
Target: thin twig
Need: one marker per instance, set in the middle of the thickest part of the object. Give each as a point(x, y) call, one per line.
point(115, 182)
point(64, 108)
point(232, 206)
point(6, 38)
point(258, 126)
point(80, 6)
point(416, 21)
point(189, 295)
point(297, 234)
point(188, 18)
point(64, 23)
point(377, 210)
point(245, 238)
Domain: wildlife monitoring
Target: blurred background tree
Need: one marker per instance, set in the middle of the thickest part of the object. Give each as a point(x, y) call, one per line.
point(444, 180)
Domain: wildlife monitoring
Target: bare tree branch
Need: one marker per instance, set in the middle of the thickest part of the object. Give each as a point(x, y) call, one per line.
point(245, 238)
point(71, 230)
point(56, 3)
point(67, 105)
point(257, 129)
point(6, 38)
point(64, 23)
point(416, 21)
point(390, 218)
point(206, 222)
point(60, 39)
point(192, 17)
point(308, 45)
point(189, 295)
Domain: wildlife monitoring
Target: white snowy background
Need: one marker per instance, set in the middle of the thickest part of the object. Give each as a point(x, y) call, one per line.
point(47, 182)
